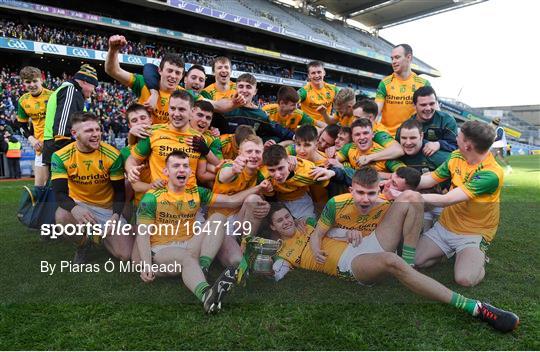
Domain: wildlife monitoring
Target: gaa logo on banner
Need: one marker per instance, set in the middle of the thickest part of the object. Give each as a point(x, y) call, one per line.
point(134, 60)
point(16, 44)
point(48, 48)
point(79, 52)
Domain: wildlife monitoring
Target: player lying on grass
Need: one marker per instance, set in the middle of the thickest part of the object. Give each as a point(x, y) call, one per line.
point(169, 234)
point(369, 259)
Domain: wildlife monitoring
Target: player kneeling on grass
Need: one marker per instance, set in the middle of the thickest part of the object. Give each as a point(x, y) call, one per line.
point(88, 180)
point(470, 217)
point(369, 259)
point(169, 235)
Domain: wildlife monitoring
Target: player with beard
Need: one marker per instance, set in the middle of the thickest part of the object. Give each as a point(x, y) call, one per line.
point(439, 129)
point(88, 181)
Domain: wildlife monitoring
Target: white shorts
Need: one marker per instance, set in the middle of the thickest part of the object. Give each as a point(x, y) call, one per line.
point(102, 215)
point(302, 207)
point(450, 242)
point(369, 245)
point(173, 244)
point(433, 213)
point(336, 233)
point(38, 160)
point(232, 228)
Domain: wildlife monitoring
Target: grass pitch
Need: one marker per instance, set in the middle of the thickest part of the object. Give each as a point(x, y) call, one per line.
point(304, 311)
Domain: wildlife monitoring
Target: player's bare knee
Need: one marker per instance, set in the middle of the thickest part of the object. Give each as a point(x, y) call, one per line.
point(252, 200)
point(467, 279)
point(393, 263)
point(62, 216)
point(217, 217)
point(411, 197)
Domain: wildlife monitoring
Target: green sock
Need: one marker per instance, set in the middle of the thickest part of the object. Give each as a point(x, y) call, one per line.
point(408, 254)
point(205, 262)
point(462, 302)
point(201, 289)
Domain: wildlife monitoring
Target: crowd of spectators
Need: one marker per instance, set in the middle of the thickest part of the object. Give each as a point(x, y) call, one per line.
point(88, 39)
point(91, 39)
point(109, 101)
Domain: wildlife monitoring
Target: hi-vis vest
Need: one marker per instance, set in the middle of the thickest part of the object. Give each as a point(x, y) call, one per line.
point(14, 150)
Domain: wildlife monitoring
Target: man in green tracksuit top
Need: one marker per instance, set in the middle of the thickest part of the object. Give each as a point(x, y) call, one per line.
point(439, 128)
point(63, 102)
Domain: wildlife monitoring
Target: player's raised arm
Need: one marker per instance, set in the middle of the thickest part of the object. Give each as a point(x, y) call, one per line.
point(112, 65)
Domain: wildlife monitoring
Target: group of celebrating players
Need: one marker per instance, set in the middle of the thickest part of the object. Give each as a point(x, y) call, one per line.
point(354, 189)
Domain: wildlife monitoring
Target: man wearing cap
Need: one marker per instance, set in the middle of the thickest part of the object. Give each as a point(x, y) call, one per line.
point(497, 149)
point(63, 102)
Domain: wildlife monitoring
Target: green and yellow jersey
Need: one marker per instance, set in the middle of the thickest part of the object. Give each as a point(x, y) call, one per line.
point(350, 153)
point(211, 92)
point(89, 175)
point(214, 143)
point(229, 148)
point(320, 158)
point(240, 182)
point(396, 94)
point(482, 182)
point(145, 172)
point(34, 108)
point(291, 121)
point(160, 114)
point(161, 143)
point(381, 135)
point(297, 251)
point(175, 210)
point(344, 120)
point(311, 98)
point(341, 212)
point(298, 182)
